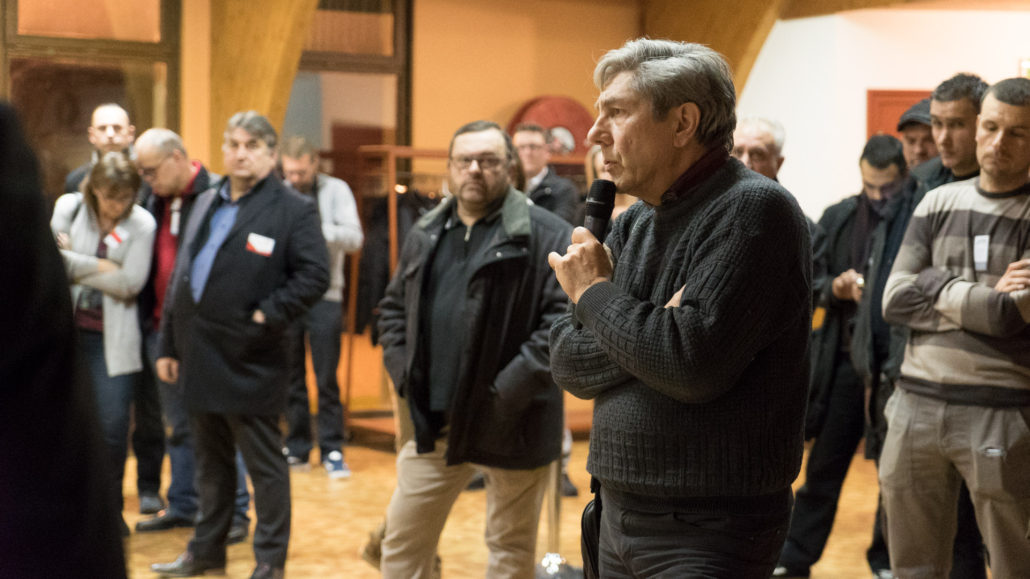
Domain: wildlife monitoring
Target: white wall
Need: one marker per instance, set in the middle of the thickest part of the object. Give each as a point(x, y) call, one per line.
point(813, 73)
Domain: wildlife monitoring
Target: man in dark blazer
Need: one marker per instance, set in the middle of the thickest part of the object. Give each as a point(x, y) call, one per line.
point(555, 194)
point(252, 261)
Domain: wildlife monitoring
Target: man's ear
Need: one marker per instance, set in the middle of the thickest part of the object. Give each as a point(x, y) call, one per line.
point(687, 117)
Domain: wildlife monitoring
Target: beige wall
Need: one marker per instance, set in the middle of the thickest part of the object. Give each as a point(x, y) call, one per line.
point(483, 60)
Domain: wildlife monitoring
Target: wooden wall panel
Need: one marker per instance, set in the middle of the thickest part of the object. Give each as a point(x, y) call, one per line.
point(255, 49)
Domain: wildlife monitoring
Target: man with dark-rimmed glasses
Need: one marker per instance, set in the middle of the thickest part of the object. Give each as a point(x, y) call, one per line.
point(464, 328)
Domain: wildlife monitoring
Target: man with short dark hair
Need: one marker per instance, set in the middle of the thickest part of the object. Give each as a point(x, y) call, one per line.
point(916, 136)
point(555, 194)
point(691, 335)
point(954, 105)
point(252, 261)
point(464, 329)
point(836, 418)
point(172, 184)
point(322, 325)
point(877, 348)
point(961, 410)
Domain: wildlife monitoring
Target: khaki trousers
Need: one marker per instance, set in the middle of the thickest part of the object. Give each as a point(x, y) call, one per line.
point(426, 491)
point(931, 447)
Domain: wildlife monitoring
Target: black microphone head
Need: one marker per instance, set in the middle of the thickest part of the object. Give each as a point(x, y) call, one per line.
point(600, 199)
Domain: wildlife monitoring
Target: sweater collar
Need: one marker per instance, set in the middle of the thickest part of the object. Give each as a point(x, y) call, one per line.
point(697, 174)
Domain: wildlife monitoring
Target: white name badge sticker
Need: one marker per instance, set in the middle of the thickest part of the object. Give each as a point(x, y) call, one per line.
point(260, 244)
point(116, 237)
point(981, 249)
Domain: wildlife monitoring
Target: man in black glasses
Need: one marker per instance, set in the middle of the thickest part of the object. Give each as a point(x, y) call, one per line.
point(464, 328)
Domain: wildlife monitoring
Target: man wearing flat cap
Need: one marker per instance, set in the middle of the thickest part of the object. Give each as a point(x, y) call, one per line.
point(916, 137)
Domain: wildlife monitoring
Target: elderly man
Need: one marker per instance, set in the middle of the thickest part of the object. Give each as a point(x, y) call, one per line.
point(252, 262)
point(555, 194)
point(758, 143)
point(691, 337)
point(961, 408)
point(341, 228)
point(172, 184)
point(464, 331)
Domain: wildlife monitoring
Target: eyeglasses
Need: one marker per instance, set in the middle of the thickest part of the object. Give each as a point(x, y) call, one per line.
point(484, 163)
point(151, 172)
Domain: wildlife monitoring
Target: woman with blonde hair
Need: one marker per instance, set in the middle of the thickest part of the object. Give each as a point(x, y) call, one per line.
point(594, 169)
point(106, 241)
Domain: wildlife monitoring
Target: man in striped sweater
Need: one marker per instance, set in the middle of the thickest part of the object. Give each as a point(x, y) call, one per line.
point(962, 407)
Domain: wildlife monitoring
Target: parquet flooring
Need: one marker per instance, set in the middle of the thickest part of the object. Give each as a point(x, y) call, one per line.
point(332, 518)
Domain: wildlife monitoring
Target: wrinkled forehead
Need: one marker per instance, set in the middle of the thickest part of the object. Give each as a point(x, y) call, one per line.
point(752, 136)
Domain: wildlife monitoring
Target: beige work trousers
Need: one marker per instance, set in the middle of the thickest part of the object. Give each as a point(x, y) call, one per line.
point(426, 491)
point(931, 447)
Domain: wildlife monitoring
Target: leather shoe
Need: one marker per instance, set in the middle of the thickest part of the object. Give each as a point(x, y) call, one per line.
point(237, 534)
point(188, 566)
point(150, 503)
point(266, 571)
point(162, 521)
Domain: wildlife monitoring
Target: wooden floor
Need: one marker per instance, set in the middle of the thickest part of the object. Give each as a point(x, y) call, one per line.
point(332, 518)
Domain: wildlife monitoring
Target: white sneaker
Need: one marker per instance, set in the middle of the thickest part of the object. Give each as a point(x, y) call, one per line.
point(335, 466)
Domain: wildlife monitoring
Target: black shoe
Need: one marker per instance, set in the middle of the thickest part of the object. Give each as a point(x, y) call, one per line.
point(567, 488)
point(163, 521)
point(150, 503)
point(187, 566)
point(477, 483)
point(789, 572)
point(266, 571)
point(237, 534)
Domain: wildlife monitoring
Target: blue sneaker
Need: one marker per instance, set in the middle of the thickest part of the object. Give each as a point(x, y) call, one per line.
point(335, 466)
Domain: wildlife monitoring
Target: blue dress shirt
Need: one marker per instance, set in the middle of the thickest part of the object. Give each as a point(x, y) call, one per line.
point(221, 224)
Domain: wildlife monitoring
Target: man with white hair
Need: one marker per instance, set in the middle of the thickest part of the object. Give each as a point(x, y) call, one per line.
point(758, 143)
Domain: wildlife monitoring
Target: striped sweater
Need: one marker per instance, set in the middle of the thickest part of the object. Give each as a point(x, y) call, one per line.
point(969, 343)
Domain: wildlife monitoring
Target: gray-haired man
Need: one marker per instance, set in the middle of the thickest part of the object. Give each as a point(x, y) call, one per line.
point(692, 338)
point(252, 261)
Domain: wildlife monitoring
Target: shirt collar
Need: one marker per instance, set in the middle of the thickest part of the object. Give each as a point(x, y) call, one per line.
point(533, 183)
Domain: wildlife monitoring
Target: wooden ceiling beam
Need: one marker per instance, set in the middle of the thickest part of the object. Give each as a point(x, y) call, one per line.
point(738, 34)
point(255, 49)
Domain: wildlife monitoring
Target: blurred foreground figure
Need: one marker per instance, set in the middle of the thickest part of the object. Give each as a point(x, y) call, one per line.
point(57, 516)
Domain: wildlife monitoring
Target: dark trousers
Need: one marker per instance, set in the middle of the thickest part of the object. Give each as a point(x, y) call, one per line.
point(322, 324)
point(182, 494)
point(113, 395)
point(148, 436)
point(828, 464)
point(259, 440)
point(643, 542)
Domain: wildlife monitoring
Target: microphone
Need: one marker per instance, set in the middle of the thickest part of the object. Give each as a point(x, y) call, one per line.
point(599, 205)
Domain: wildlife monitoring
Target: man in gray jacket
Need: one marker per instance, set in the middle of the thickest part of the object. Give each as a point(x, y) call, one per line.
point(341, 228)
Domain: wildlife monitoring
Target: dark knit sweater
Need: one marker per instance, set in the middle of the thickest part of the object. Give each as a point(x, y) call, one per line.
point(706, 399)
